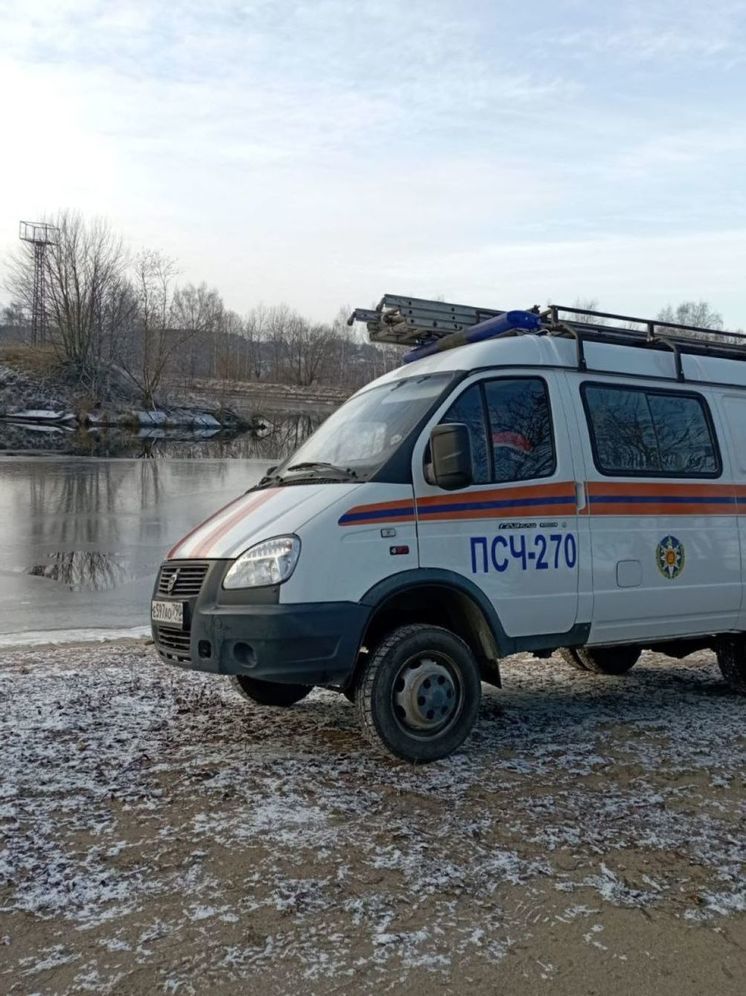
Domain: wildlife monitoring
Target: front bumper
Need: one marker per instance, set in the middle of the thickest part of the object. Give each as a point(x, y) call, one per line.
point(249, 632)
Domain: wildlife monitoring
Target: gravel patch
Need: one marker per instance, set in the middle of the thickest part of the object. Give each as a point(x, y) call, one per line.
point(160, 834)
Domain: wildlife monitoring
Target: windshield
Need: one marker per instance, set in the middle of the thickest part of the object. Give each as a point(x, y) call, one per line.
point(361, 435)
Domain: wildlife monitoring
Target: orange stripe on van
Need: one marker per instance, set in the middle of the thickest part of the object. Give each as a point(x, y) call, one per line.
point(527, 500)
point(640, 498)
point(171, 555)
point(203, 550)
point(627, 498)
point(379, 512)
point(658, 488)
point(563, 489)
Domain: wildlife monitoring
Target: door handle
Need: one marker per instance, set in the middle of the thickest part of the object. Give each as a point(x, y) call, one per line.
point(580, 496)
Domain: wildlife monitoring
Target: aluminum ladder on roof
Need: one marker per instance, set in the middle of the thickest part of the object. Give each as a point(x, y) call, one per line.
point(413, 321)
point(434, 326)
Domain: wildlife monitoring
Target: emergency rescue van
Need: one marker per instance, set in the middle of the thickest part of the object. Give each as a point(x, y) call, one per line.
point(534, 480)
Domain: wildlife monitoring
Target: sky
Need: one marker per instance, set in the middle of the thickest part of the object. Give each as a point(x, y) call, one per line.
point(324, 152)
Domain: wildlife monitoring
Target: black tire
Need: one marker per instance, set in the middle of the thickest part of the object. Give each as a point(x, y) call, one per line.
point(601, 660)
point(569, 656)
point(731, 655)
point(418, 697)
point(270, 693)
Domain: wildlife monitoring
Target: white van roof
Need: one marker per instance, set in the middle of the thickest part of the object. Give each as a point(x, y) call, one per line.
point(601, 358)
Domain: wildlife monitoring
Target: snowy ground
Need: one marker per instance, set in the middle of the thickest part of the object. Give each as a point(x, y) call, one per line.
point(161, 835)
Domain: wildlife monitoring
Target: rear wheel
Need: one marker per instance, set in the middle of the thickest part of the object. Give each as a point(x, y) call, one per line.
point(601, 660)
point(419, 694)
point(731, 654)
point(270, 693)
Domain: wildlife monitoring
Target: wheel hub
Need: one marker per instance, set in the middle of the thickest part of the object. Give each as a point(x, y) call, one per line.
point(425, 695)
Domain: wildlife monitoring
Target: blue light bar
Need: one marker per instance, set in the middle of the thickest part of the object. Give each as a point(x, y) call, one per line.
point(493, 328)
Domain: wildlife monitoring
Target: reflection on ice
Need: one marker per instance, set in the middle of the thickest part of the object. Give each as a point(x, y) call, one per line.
point(82, 538)
point(271, 439)
point(83, 570)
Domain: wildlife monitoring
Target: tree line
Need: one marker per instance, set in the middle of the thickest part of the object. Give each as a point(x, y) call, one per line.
point(110, 312)
point(113, 313)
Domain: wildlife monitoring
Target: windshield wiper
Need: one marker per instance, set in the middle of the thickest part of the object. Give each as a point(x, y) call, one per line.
point(314, 468)
point(321, 465)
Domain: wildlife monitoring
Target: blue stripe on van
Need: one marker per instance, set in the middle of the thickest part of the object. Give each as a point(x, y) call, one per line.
point(663, 499)
point(474, 506)
point(392, 512)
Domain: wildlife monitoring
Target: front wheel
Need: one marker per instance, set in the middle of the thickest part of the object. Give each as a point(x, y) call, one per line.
point(419, 694)
point(601, 660)
point(270, 693)
point(731, 655)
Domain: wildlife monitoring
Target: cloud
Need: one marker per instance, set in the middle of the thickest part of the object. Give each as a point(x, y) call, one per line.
point(311, 150)
point(632, 274)
point(658, 31)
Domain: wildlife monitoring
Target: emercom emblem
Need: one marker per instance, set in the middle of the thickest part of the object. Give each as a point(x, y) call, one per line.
point(670, 557)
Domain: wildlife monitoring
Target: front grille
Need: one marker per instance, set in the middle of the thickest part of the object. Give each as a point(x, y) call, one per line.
point(172, 641)
point(181, 580)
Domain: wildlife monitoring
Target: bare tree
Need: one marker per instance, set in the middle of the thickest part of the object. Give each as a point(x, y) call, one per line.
point(308, 351)
point(150, 346)
point(254, 330)
point(698, 313)
point(84, 276)
point(170, 323)
point(583, 304)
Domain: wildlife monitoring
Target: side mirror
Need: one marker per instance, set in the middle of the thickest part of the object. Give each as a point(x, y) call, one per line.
point(450, 449)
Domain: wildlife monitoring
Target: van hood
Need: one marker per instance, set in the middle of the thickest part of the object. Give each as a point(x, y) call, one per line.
point(257, 516)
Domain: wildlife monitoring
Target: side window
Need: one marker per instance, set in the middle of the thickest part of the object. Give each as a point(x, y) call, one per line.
point(623, 433)
point(735, 417)
point(520, 429)
point(684, 435)
point(639, 432)
point(468, 408)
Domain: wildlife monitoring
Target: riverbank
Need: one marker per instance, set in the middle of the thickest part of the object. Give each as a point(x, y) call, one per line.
point(34, 389)
point(163, 834)
point(50, 399)
point(41, 413)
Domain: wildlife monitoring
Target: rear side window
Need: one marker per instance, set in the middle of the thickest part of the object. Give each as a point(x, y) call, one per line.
point(510, 426)
point(638, 432)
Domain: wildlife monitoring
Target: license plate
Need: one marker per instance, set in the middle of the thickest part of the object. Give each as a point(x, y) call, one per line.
point(171, 613)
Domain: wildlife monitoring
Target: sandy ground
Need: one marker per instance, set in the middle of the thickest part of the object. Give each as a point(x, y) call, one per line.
point(159, 834)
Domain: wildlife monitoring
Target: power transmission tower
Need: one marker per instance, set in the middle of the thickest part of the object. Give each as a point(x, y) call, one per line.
point(40, 236)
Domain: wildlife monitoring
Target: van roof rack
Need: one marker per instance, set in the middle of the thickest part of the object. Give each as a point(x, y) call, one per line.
point(586, 325)
point(432, 326)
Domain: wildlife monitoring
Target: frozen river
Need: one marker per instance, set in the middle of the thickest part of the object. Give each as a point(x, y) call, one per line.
point(81, 539)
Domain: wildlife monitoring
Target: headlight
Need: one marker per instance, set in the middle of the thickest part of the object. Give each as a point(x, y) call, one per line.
point(270, 562)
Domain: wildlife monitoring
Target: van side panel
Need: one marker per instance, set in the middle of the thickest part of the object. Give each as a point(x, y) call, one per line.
point(733, 416)
point(515, 539)
point(665, 549)
point(353, 544)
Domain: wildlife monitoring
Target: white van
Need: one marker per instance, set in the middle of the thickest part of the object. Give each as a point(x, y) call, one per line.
point(558, 481)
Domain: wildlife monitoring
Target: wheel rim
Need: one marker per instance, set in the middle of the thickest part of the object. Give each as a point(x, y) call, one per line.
point(427, 694)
